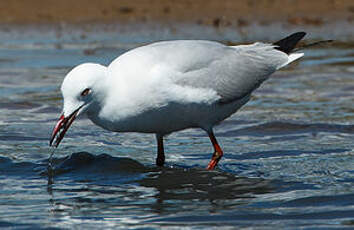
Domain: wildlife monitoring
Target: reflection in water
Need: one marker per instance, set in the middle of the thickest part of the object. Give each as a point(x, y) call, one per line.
point(121, 183)
point(218, 188)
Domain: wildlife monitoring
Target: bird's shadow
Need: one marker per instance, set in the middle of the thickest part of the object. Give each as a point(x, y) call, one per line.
point(106, 175)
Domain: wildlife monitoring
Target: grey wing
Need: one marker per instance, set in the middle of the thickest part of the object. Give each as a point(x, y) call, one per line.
point(236, 72)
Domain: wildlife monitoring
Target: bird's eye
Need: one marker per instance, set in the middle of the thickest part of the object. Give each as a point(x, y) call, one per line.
point(85, 92)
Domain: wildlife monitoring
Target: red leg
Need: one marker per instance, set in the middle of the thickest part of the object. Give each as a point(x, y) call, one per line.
point(217, 152)
point(160, 160)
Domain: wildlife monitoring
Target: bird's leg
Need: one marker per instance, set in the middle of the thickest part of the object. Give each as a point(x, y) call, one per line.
point(160, 160)
point(217, 152)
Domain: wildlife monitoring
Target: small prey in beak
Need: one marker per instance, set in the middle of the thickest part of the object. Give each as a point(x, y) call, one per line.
point(61, 127)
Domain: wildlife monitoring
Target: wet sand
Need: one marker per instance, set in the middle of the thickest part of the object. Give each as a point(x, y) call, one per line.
point(212, 12)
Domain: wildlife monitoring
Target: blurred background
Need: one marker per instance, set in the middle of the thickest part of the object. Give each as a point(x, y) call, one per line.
point(230, 19)
point(289, 158)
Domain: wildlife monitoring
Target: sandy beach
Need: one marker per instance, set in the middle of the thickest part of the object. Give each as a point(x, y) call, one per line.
point(212, 12)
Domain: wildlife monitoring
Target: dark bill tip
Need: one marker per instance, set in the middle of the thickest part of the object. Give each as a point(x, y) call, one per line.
point(60, 129)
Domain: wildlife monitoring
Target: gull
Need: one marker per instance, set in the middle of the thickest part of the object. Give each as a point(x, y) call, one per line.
point(169, 86)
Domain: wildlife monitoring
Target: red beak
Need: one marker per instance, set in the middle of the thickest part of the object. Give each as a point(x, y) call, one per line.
point(61, 127)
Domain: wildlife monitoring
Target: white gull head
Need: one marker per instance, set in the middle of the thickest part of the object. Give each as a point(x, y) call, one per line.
point(83, 87)
point(83, 90)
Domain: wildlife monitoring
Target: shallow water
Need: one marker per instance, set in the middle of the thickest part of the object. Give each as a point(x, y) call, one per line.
point(288, 161)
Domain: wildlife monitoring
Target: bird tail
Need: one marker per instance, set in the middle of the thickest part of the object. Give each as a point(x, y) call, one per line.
point(292, 57)
point(287, 44)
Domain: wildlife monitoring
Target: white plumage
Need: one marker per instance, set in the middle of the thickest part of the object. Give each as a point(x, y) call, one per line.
point(169, 86)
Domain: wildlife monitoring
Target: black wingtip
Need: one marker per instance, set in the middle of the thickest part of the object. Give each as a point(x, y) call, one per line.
point(287, 44)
